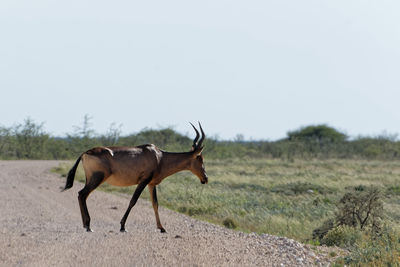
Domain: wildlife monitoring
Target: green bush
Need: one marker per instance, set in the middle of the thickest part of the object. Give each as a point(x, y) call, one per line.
point(229, 223)
point(320, 232)
point(360, 208)
point(375, 250)
point(341, 236)
point(394, 190)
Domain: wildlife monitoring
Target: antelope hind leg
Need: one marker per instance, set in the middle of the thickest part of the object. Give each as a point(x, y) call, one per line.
point(95, 180)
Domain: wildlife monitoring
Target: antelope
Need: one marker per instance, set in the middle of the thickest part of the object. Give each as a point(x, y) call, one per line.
point(144, 165)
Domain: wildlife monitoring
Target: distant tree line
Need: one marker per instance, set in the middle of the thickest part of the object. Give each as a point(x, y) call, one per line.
point(29, 140)
point(319, 141)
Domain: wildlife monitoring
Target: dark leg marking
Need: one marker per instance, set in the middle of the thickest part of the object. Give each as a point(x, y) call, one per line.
point(136, 194)
point(96, 179)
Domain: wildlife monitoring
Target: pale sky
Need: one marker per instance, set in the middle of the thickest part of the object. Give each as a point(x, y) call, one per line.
point(257, 68)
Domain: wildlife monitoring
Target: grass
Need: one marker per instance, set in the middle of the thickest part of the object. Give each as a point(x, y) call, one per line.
point(286, 198)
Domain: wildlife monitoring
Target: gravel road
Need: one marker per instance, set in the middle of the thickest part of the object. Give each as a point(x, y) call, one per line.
point(40, 226)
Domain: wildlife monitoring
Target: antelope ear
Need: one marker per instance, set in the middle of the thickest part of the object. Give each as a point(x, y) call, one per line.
point(199, 151)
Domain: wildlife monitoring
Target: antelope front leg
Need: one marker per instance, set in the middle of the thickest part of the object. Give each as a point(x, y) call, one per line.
point(153, 194)
point(138, 191)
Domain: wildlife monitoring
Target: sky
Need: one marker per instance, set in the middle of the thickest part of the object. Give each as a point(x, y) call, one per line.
point(254, 68)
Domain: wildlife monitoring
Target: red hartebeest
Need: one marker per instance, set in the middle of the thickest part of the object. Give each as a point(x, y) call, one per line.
point(142, 165)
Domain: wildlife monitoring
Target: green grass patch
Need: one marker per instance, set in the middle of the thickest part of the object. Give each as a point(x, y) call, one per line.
point(298, 188)
point(394, 190)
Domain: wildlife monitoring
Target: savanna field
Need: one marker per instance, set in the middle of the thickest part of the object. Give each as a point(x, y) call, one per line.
point(315, 186)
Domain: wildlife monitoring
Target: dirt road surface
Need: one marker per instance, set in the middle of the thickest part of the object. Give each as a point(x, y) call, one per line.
point(40, 226)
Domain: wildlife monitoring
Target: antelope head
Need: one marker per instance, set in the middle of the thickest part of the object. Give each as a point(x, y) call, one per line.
point(196, 162)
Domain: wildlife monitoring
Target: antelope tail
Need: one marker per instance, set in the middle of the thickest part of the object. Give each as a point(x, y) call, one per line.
point(71, 174)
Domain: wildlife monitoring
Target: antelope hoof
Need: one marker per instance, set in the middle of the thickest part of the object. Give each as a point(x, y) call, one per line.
point(162, 230)
point(123, 230)
point(89, 230)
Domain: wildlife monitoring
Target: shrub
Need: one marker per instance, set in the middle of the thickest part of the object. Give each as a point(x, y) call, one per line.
point(182, 209)
point(360, 208)
point(320, 232)
point(394, 190)
point(341, 236)
point(30, 140)
point(375, 250)
point(229, 223)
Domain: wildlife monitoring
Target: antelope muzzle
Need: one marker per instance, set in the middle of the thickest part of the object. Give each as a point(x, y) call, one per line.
point(205, 179)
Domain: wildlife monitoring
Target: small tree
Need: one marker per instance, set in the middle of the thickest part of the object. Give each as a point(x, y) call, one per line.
point(30, 140)
point(317, 133)
point(361, 208)
point(85, 131)
point(358, 208)
point(7, 143)
point(112, 136)
point(83, 137)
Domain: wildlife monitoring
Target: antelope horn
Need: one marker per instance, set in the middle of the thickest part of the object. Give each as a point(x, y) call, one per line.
point(196, 138)
point(202, 136)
